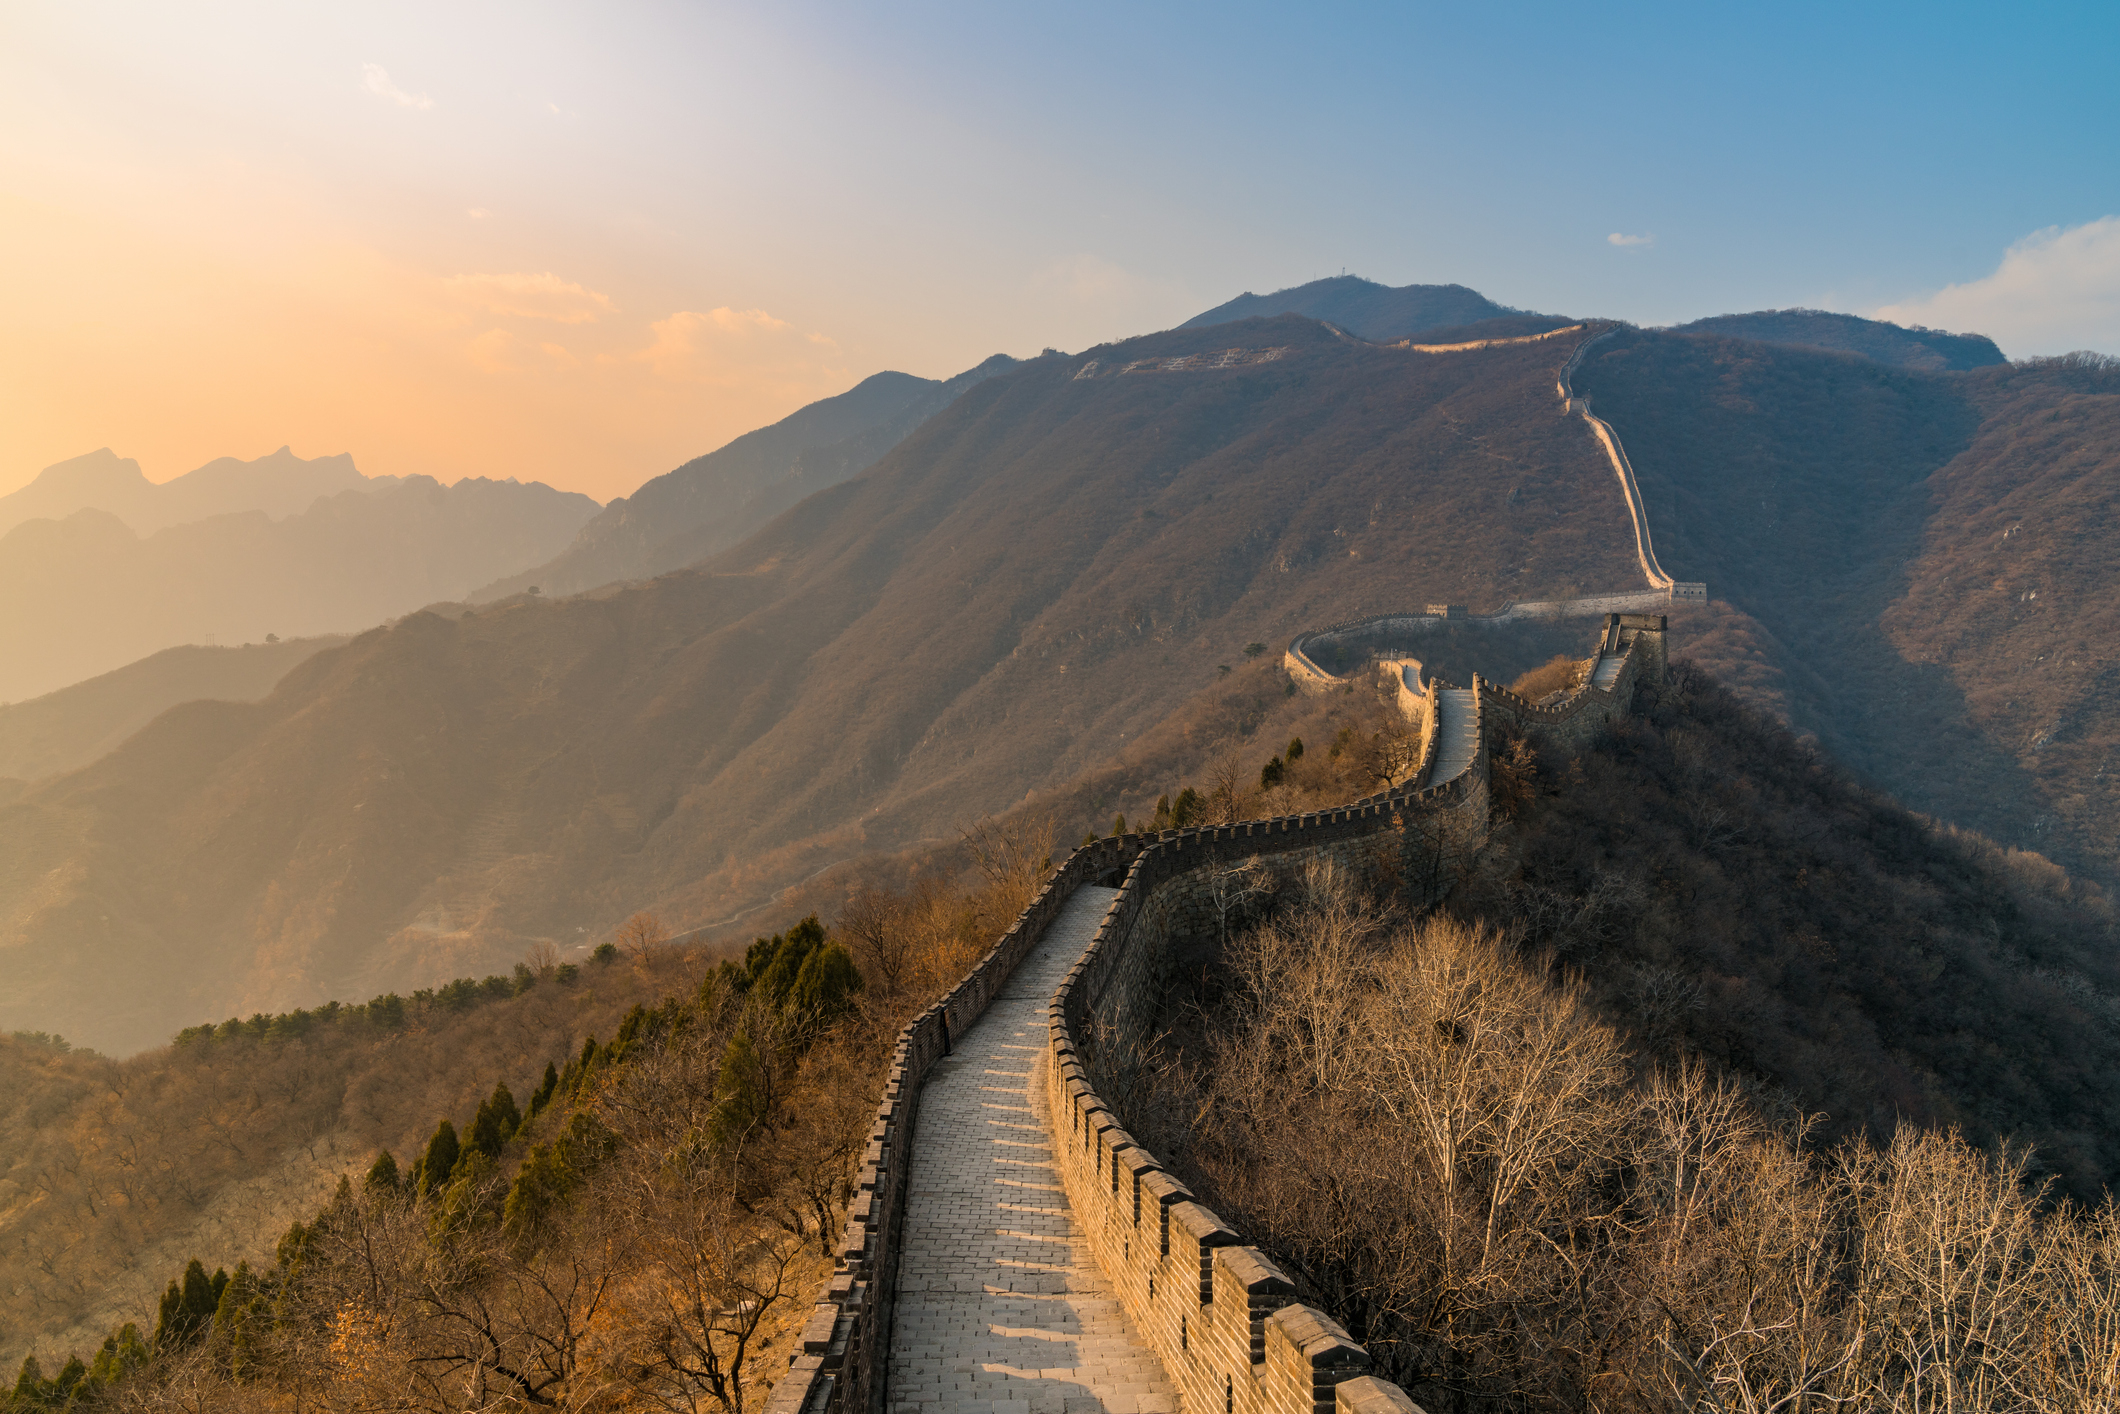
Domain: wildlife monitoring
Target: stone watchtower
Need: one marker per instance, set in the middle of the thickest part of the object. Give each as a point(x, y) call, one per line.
point(1646, 632)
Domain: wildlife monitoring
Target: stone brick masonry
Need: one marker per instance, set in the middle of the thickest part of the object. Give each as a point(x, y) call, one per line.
point(1001, 1308)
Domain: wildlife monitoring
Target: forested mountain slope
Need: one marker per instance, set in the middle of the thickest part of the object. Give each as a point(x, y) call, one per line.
point(1928, 559)
point(73, 726)
point(711, 502)
point(1037, 574)
point(84, 595)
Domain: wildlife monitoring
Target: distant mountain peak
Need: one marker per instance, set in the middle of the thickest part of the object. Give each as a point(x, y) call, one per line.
point(1931, 350)
point(1373, 311)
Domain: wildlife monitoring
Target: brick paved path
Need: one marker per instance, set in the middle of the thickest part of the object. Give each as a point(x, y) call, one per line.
point(1001, 1308)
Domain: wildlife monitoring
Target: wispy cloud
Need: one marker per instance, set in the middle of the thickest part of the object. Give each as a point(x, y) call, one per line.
point(725, 345)
point(1620, 238)
point(2055, 291)
point(1090, 280)
point(377, 80)
point(542, 295)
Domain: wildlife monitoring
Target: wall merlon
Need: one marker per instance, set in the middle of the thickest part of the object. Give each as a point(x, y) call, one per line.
point(1366, 1394)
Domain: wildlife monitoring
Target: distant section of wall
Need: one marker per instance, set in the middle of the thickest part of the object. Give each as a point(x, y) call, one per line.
point(1309, 677)
point(1491, 343)
point(1644, 547)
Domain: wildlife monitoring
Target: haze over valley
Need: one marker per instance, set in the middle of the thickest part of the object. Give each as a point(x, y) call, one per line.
point(280, 547)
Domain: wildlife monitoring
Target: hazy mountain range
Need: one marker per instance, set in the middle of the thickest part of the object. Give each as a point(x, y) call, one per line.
point(711, 502)
point(71, 727)
point(87, 592)
point(1036, 575)
point(281, 484)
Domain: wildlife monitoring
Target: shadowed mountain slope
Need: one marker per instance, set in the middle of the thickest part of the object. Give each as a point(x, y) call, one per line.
point(1372, 310)
point(281, 484)
point(1931, 350)
point(1927, 560)
point(85, 595)
point(73, 726)
point(711, 502)
point(1034, 576)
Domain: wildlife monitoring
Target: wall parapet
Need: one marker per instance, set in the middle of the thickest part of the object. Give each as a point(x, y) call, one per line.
point(845, 1347)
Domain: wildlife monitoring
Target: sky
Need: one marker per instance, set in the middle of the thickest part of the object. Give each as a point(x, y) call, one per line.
point(582, 243)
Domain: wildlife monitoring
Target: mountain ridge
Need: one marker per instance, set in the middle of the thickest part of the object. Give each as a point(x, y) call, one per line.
point(280, 484)
point(714, 500)
point(86, 594)
point(1368, 309)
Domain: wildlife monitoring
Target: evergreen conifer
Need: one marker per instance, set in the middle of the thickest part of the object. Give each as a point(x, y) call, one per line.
point(794, 950)
point(739, 1093)
point(169, 1319)
point(543, 1095)
point(67, 1381)
point(825, 988)
point(495, 1123)
point(440, 1158)
point(29, 1385)
point(195, 1307)
point(382, 1174)
point(1185, 809)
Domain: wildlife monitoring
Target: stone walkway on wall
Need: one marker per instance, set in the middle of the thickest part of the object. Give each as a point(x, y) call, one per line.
point(1457, 741)
point(1001, 1307)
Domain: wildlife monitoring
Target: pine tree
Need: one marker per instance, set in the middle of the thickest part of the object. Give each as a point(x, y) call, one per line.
point(1118, 825)
point(169, 1318)
point(1294, 753)
point(67, 1381)
point(294, 1246)
point(382, 1174)
point(235, 1322)
point(740, 1101)
point(1271, 773)
point(824, 990)
point(794, 950)
point(1185, 809)
point(585, 1065)
point(543, 1095)
point(29, 1385)
point(440, 1158)
point(495, 1123)
point(187, 1311)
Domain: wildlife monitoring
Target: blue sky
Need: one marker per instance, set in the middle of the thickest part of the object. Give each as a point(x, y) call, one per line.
point(582, 243)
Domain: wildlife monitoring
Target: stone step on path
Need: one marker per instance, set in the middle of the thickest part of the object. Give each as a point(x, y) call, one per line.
point(1606, 672)
point(1455, 739)
point(1001, 1308)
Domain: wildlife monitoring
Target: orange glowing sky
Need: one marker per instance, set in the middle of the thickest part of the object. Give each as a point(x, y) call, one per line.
point(510, 241)
point(584, 243)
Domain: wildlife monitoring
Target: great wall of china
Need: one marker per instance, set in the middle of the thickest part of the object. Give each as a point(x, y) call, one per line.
point(1011, 1249)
